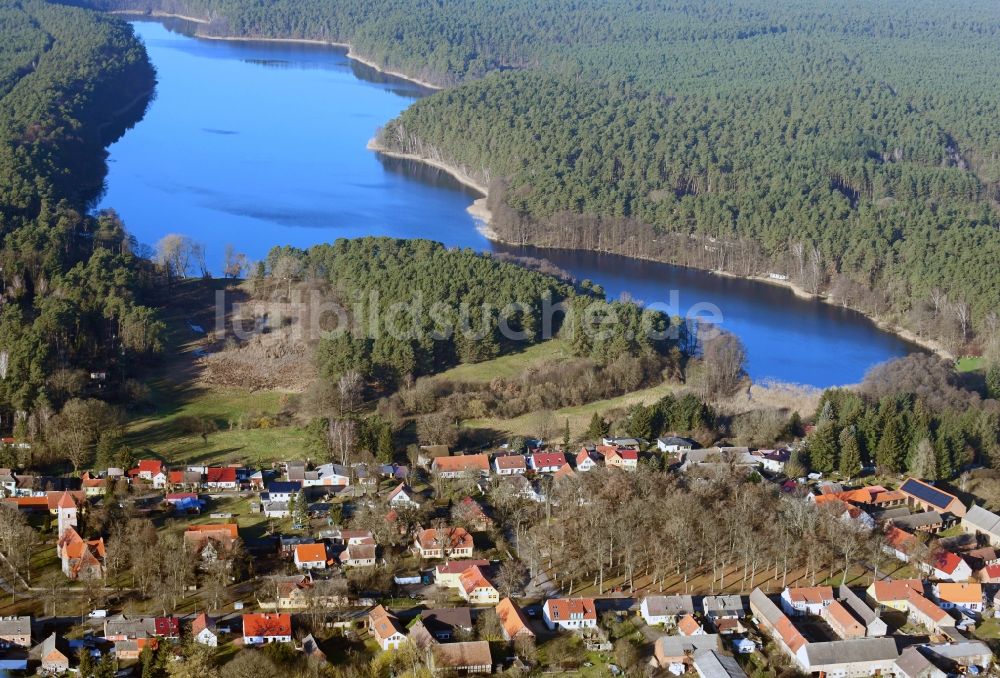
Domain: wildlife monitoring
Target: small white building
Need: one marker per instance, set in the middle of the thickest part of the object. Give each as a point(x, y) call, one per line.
point(806, 600)
point(203, 631)
point(402, 495)
point(160, 480)
point(674, 444)
point(311, 556)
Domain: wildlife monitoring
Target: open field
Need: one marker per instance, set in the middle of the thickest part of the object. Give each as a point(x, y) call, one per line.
point(508, 365)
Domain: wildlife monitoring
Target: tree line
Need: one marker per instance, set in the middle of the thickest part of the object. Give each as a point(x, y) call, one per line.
point(75, 290)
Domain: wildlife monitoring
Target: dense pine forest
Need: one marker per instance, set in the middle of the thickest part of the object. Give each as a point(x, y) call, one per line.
point(848, 145)
point(72, 285)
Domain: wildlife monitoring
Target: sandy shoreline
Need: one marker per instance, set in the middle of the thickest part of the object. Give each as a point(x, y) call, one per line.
point(299, 41)
point(477, 209)
point(483, 217)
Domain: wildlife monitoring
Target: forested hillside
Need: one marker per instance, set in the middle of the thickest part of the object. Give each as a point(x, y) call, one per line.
point(71, 285)
point(850, 145)
point(413, 307)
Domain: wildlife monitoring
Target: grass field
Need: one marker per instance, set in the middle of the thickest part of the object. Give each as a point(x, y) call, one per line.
point(579, 416)
point(970, 363)
point(508, 365)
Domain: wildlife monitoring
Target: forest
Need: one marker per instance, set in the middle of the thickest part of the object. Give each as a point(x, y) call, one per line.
point(414, 307)
point(849, 146)
point(72, 285)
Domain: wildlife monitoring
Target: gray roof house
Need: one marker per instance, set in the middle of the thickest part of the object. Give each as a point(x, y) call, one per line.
point(724, 607)
point(665, 609)
point(859, 657)
point(711, 664)
point(912, 664)
point(874, 626)
point(719, 456)
point(980, 521)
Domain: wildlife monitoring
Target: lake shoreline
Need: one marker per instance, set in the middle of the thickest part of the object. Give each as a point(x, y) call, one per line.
point(483, 217)
point(351, 54)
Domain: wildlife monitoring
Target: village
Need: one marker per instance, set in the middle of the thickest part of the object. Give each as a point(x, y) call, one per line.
point(424, 566)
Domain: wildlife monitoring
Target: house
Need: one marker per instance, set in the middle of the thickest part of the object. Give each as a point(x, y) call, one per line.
point(546, 462)
point(310, 648)
point(624, 443)
point(510, 464)
point(712, 664)
point(461, 658)
point(221, 478)
point(93, 487)
point(280, 490)
point(925, 521)
point(473, 515)
point(930, 498)
point(449, 574)
point(15, 632)
point(475, 588)
point(677, 652)
point(520, 486)
point(426, 454)
point(298, 591)
point(276, 509)
point(674, 444)
point(925, 613)
point(664, 610)
point(719, 457)
point(446, 623)
point(211, 541)
point(513, 621)
point(982, 523)
point(569, 613)
point(358, 555)
point(385, 628)
point(288, 542)
point(54, 654)
point(133, 647)
point(772, 620)
point(450, 542)
point(120, 627)
point(263, 628)
point(402, 495)
point(588, 459)
point(899, 544)
point(147, 469)
point(328, 475)
point(724, 607)
point(310, 557)
point(688, 626)
point(842, 622)
point(963, 655)
point(185, 479)
point(894, 593)
point(947, 566)
point(621, 458)
point(849, 658)
point(806, 600)
point(203, 630)
point(874, 626)
point(349, 537)
point(773, 460)
point(913, 664)
point(456, 467)
point(964, 597)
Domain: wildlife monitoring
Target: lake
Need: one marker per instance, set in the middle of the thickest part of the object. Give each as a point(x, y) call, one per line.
point(262, 144)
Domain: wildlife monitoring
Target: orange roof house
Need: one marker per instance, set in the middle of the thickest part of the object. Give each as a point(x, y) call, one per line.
point(451, 541)
point(452, 467)
point(959, 595)
point(688, 626)
point(311, 556)
point(199, 537)
point(261, 628)
point(513, 620)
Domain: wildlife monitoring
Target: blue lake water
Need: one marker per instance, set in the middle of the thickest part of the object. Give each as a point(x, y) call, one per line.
point(264, 144)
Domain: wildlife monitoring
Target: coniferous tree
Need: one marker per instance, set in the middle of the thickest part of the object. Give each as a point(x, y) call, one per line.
point(598, 427)
point(823, 447)
point(891, 450)
point(850, 452)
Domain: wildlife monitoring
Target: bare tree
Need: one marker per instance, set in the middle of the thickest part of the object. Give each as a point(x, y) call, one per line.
point(963, 314)
point(342, 436)
point(174, 252)
point(350, 387)
point(723, 361)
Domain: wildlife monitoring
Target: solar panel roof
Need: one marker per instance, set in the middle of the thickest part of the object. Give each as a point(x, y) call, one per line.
point(926, 493)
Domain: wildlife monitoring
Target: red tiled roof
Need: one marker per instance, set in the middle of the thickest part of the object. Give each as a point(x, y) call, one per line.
point(946, 561)
point(541, 459)
point(382, 623)
point(267, 625)
point(897, 589)
point(510, 461)
point(562, 609)
point(153, 466)
point(926, 607)
point(473, 579)
point(960, 593)
point(455, 537)
point(224, 474)
point(811, 594)
point(459, 566)
point(513, 619)
point(687, 626)
point(468, 462)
